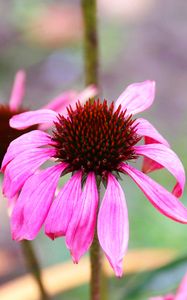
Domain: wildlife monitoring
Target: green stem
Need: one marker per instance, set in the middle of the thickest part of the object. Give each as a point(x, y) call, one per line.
point(89, 11)
point(33, 265)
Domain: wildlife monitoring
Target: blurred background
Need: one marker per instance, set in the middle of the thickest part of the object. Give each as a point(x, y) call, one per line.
point(139, 40)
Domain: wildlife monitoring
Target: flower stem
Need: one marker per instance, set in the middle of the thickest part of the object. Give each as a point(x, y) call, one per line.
point(89, 11)
point(33, 265)
point(96, 266)
point(91, 59)
point(98, 280)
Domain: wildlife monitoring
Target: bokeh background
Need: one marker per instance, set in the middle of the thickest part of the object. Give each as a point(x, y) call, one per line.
point(139, 40)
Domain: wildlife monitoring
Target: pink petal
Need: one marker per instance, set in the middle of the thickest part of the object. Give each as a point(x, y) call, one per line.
point(150, 165)
point(168, 159)
point(30, 118)
point(161, 199)
point(181, 296)
point(80, 232)
point(63, 207)
point(11, 203)
point(88, 93)
point(167, 297)
point(32, 139)
point(34, 203)
point(18, 91)
point(137, 97)
point(146, 129)
point(151, 136)
point(60, 103)
point(182, 290)
point(22, 167)
point(113, 227)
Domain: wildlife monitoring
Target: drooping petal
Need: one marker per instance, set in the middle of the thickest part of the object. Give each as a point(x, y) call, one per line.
point(151, 136)
point(137, 97)
point(22, 167)
point(27, 119)
point(32, 139)
point(80, 232)
point(113, 227)
point(168, 159)
point(18, 91)
point(182, 290)
point(63, 207)
point(34, 202)
point(160, 198)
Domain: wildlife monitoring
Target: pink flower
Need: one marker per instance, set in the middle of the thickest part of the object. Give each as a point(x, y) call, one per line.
point(7, 111)
point(181, 293)
point(14, 107)
point(58, 104)
point(95, 142)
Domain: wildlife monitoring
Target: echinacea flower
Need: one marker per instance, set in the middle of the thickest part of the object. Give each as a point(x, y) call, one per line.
point(181, 293)
point(15, 107)
point(94, 142)
point(58, 104)
point(7, 133)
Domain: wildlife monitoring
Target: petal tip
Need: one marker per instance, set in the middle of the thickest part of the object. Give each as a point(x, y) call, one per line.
point(50, 235)
point(151, 85)
point(118, 271)
point(75, 259)
point(12, 122)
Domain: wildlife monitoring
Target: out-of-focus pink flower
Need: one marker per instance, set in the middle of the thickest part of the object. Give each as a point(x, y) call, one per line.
point(54, 25)
point(181, 293)
point(15, 107)
point(95, 142)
